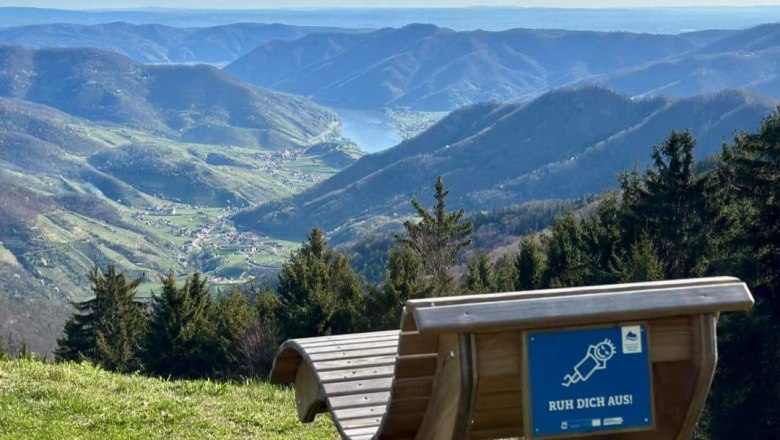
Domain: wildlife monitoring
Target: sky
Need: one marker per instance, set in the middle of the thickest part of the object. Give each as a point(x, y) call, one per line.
point(261, 4)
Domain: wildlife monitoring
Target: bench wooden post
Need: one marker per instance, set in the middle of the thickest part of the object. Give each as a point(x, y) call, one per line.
point(460, 368)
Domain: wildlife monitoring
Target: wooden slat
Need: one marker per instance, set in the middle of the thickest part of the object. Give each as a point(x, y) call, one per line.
point(499, 354)
point(357, 386)
point(498, 418)
point(507, 382)
point(583, 309)
point(354, 363)
point(359, 413)
point(316, 344)
point(305, 341)
point(358, 432)
point(490, 434)
point(356, 373)
point(411, 343)
point(361, 423)
point(353, 354)
point(353, 347)
point(411, 388)
point(671, 340)
point(413, 304)
point(354, 400)
point(408, 406)
point(499, 399)
point(415, 366)
point(399, 427)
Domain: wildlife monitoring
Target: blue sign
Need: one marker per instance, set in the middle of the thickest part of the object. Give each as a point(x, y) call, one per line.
point(589, 380)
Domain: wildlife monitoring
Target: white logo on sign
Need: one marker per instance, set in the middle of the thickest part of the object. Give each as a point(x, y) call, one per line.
point(595, 359)
point(632, 339)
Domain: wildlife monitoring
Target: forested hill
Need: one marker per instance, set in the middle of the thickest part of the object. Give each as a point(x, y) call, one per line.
point(154, 43)
point(749, 60)
point(564, 144)
point(191, 103)
point(432, 68)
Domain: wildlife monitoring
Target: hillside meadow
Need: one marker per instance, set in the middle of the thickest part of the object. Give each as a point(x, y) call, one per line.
point(79, 401)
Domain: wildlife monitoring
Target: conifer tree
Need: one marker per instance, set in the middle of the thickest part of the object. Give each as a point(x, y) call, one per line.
point(642, 263)
point(232, 317)
point(179, 334)
point(403, 281)
point(747, 190)
point(668, 202)
point(319, 293)
point(109, 328)
point(529, 265)
point(438, 238)
point(505, 274)
point(479, 276)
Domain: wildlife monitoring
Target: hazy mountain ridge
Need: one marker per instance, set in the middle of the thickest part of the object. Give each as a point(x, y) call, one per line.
point(431, 68)
point(748, 59)
point(155, 43)
point(191, 103)
point(565, 144)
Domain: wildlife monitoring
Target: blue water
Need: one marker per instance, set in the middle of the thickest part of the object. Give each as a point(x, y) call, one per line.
point(372, 130)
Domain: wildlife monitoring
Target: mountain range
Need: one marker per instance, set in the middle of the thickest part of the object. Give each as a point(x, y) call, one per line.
point(155, 43)
point(565, 144)
point(425, 67)
point(188, 103)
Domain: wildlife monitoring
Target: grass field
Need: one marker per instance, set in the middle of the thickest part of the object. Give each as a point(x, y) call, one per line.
point(78, 401)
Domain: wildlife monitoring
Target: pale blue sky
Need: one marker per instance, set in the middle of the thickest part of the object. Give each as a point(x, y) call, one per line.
point(260, 4)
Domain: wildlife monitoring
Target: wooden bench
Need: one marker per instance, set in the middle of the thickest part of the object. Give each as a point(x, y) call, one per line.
point(457, 368)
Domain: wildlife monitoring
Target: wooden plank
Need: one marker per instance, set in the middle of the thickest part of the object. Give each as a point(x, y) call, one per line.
point(359, 413)
point(411, 343)
point(498, 418)
point(412, 388)
point(499, 354)
point(705, 360)
point(439, 419)
point(356, 373)
point(357, 387)
point(415, 366)
point(498, 400)
point(354, 400)
point(309, 398)
point(413, 304)
point(399, 427)
point(583, 309)
point(305, 341)
point(408, 406)
point(407, 321)
point(360, 340)
point(361, 423)
point(489, 434)
point(358, 432)
point(341, 364)
point(671, 340)
point(353, 354)
point(508, 382)
point(353, 347)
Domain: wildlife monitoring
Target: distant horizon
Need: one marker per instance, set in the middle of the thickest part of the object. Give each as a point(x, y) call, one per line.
point(244, 5)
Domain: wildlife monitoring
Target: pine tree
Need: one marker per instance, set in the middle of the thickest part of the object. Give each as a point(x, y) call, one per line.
point(505, 274)
point(403, 281)
point(668, 202)
point(179, 334)
point(232, 317)
point(319, 292)
point(642, 263)
point(747, 191)
point(438, 238)
point(479, 276)
point(529, 265)
point(108, 329)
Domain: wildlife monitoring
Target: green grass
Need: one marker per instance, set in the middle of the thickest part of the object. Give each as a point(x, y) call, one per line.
point(78, 401)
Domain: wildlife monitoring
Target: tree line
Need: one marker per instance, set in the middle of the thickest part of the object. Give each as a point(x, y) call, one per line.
point(676, 219)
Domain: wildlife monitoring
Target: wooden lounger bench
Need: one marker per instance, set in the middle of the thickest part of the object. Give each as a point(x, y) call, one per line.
point(458, 366)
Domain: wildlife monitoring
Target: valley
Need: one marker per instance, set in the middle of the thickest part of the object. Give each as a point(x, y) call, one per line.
point(216, 147)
